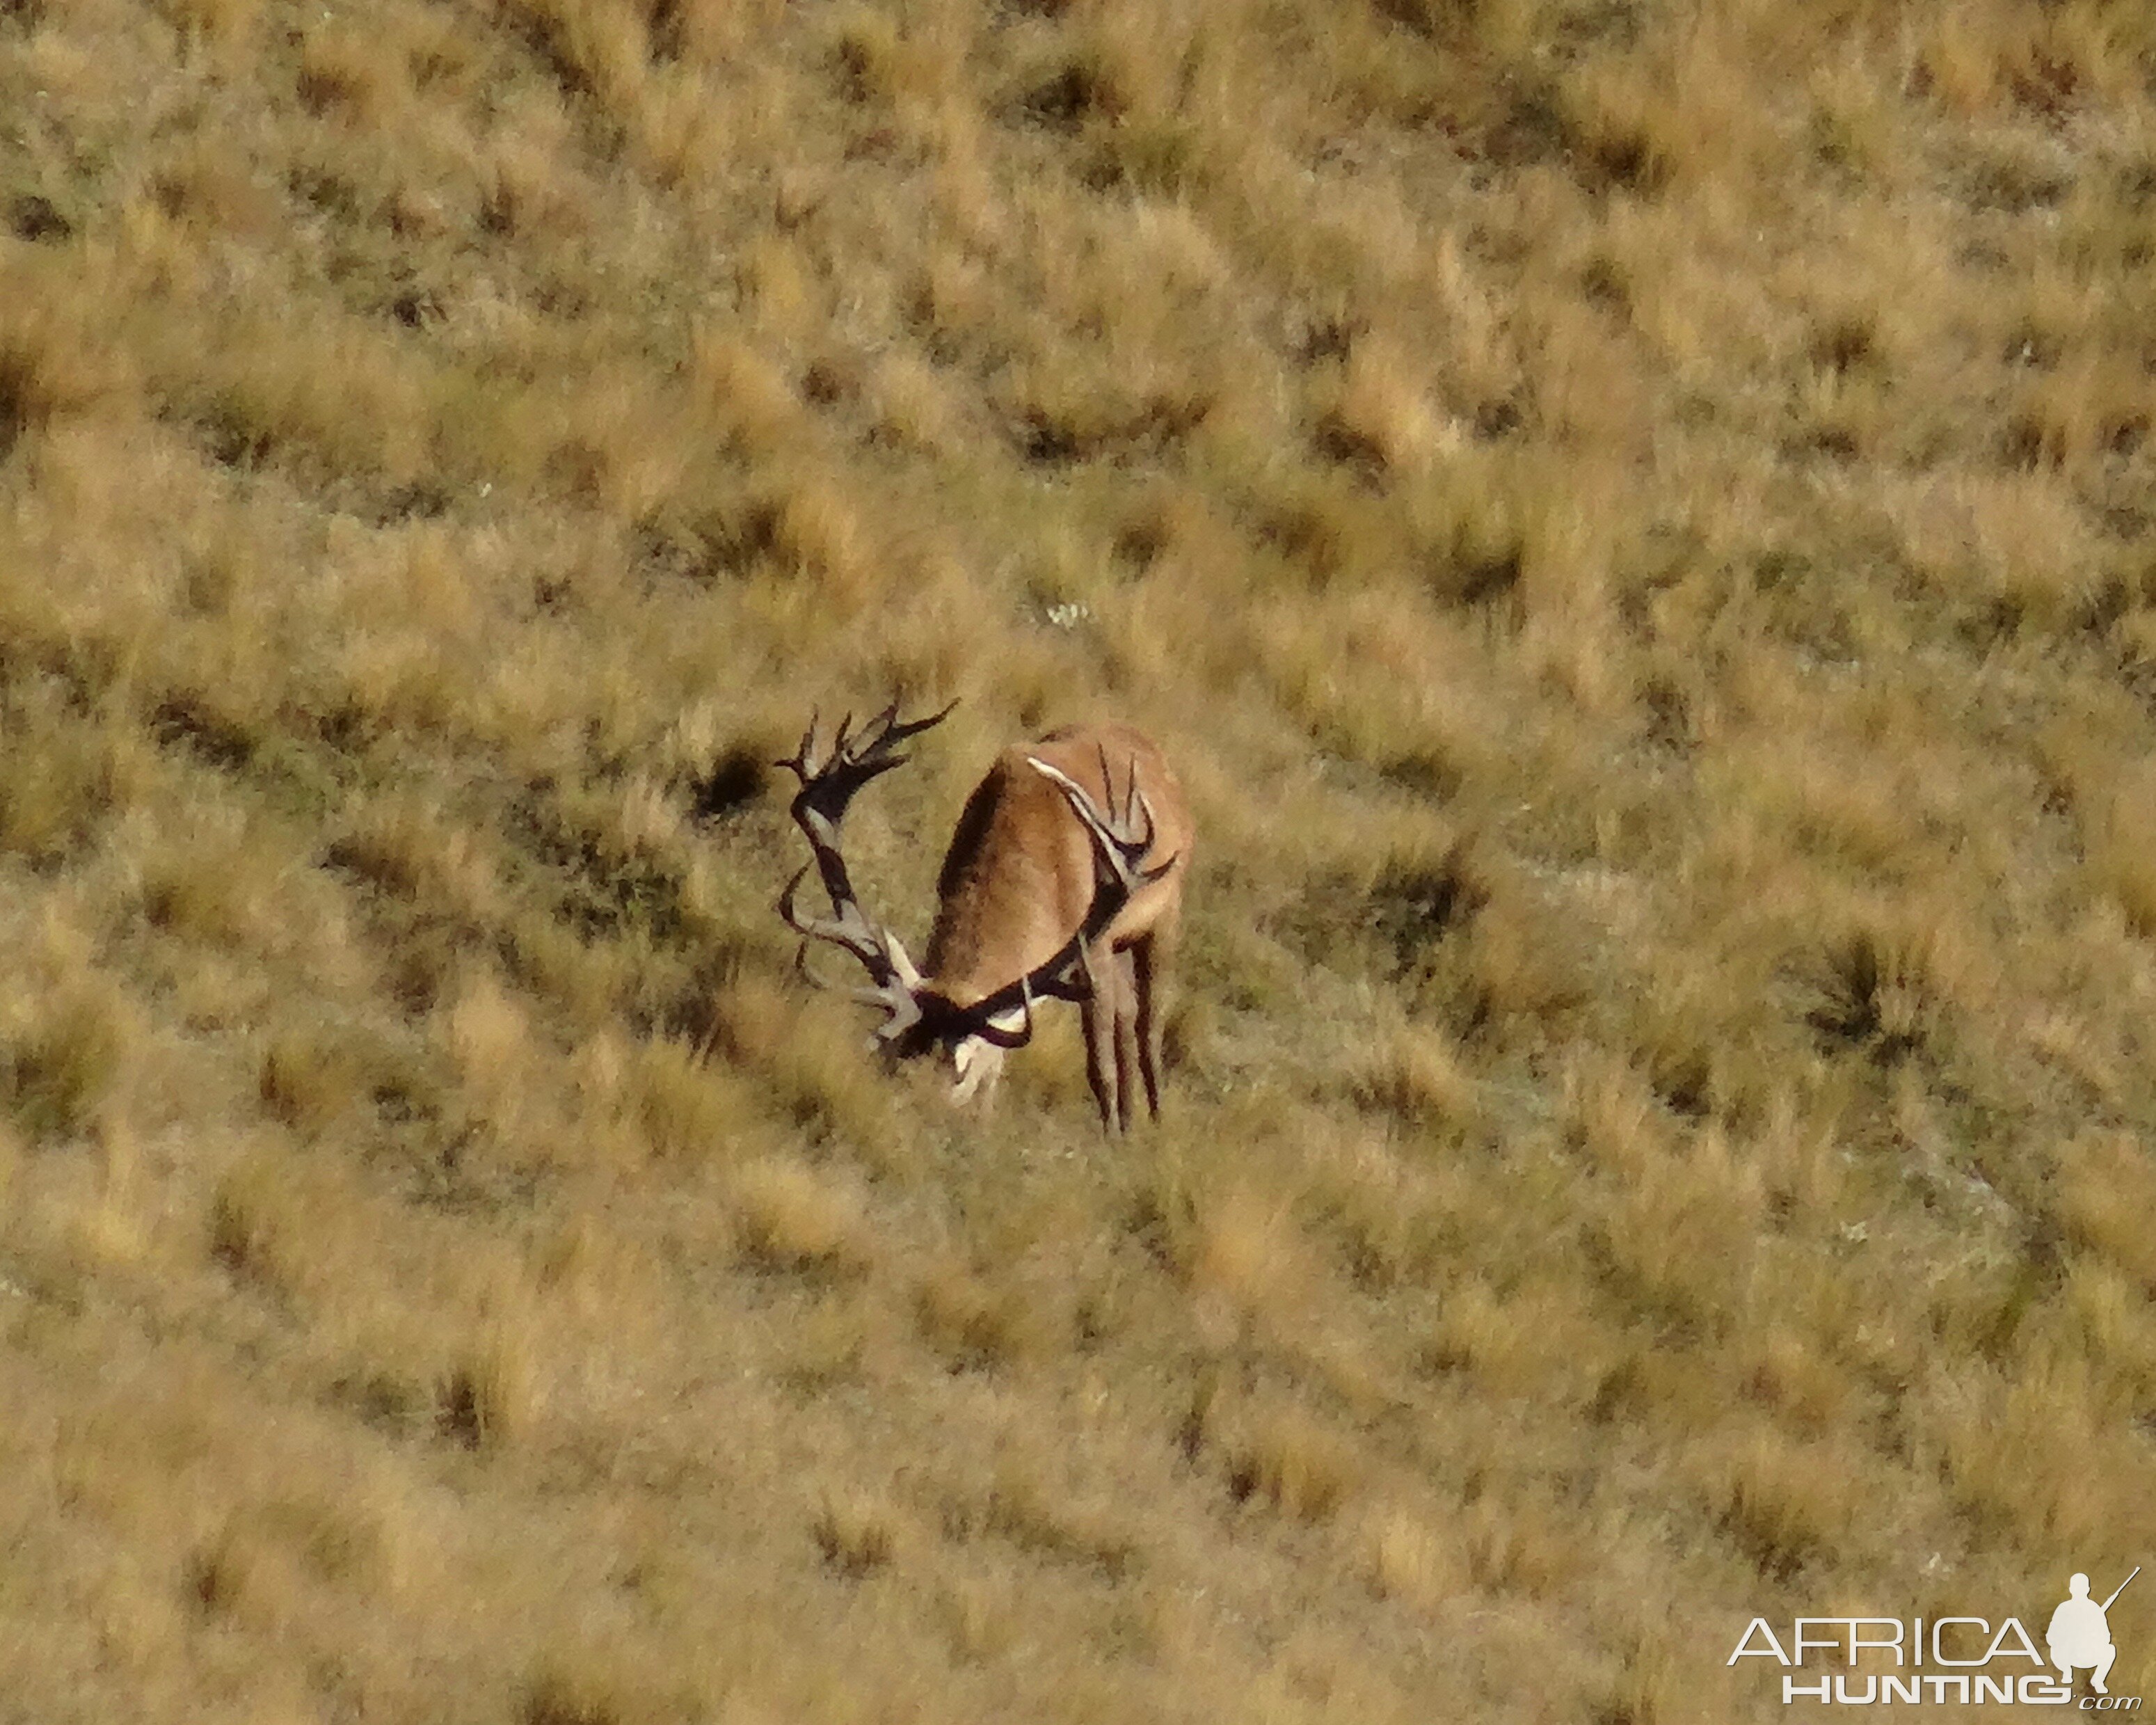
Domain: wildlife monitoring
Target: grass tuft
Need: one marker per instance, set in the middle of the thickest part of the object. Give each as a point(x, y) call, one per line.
point(64, 1067)
point(791, 1218)
point(856, 1534)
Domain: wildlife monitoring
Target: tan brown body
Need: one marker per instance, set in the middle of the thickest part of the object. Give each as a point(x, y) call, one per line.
point(1064, 880)
point(1019, 879)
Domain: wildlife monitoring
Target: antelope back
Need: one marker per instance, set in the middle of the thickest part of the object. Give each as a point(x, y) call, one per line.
point(1018, 879)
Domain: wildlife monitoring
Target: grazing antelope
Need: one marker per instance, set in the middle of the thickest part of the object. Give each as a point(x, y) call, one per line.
point(1064, 880)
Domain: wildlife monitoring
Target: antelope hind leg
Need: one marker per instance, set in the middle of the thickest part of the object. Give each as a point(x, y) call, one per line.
point(1099, 1010)
point(1145, 957)
point(1127, 1037)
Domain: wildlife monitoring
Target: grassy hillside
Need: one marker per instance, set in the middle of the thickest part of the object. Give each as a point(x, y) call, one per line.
point(1634, 521)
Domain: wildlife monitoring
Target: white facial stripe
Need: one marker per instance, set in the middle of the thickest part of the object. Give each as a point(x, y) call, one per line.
point(978, 1063)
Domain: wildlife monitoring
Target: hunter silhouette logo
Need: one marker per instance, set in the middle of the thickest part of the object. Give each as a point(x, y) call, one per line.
point(1947, 1660)
point(2080, 1634)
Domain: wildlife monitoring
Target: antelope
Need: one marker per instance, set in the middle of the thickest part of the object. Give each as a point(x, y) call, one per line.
point(1064, 880)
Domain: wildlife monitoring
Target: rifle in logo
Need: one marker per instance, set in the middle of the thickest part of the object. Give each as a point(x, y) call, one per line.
point(2080, 1634)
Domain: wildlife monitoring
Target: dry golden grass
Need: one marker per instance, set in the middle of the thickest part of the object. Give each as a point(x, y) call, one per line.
point(1634, 522)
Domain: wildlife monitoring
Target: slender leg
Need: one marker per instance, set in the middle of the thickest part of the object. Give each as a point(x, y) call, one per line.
point(1098, 1009)
point(1145, 970)
point(1127, 1038)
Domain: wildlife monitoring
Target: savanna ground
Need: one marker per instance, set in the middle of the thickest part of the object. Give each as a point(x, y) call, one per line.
point(1635, 522)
